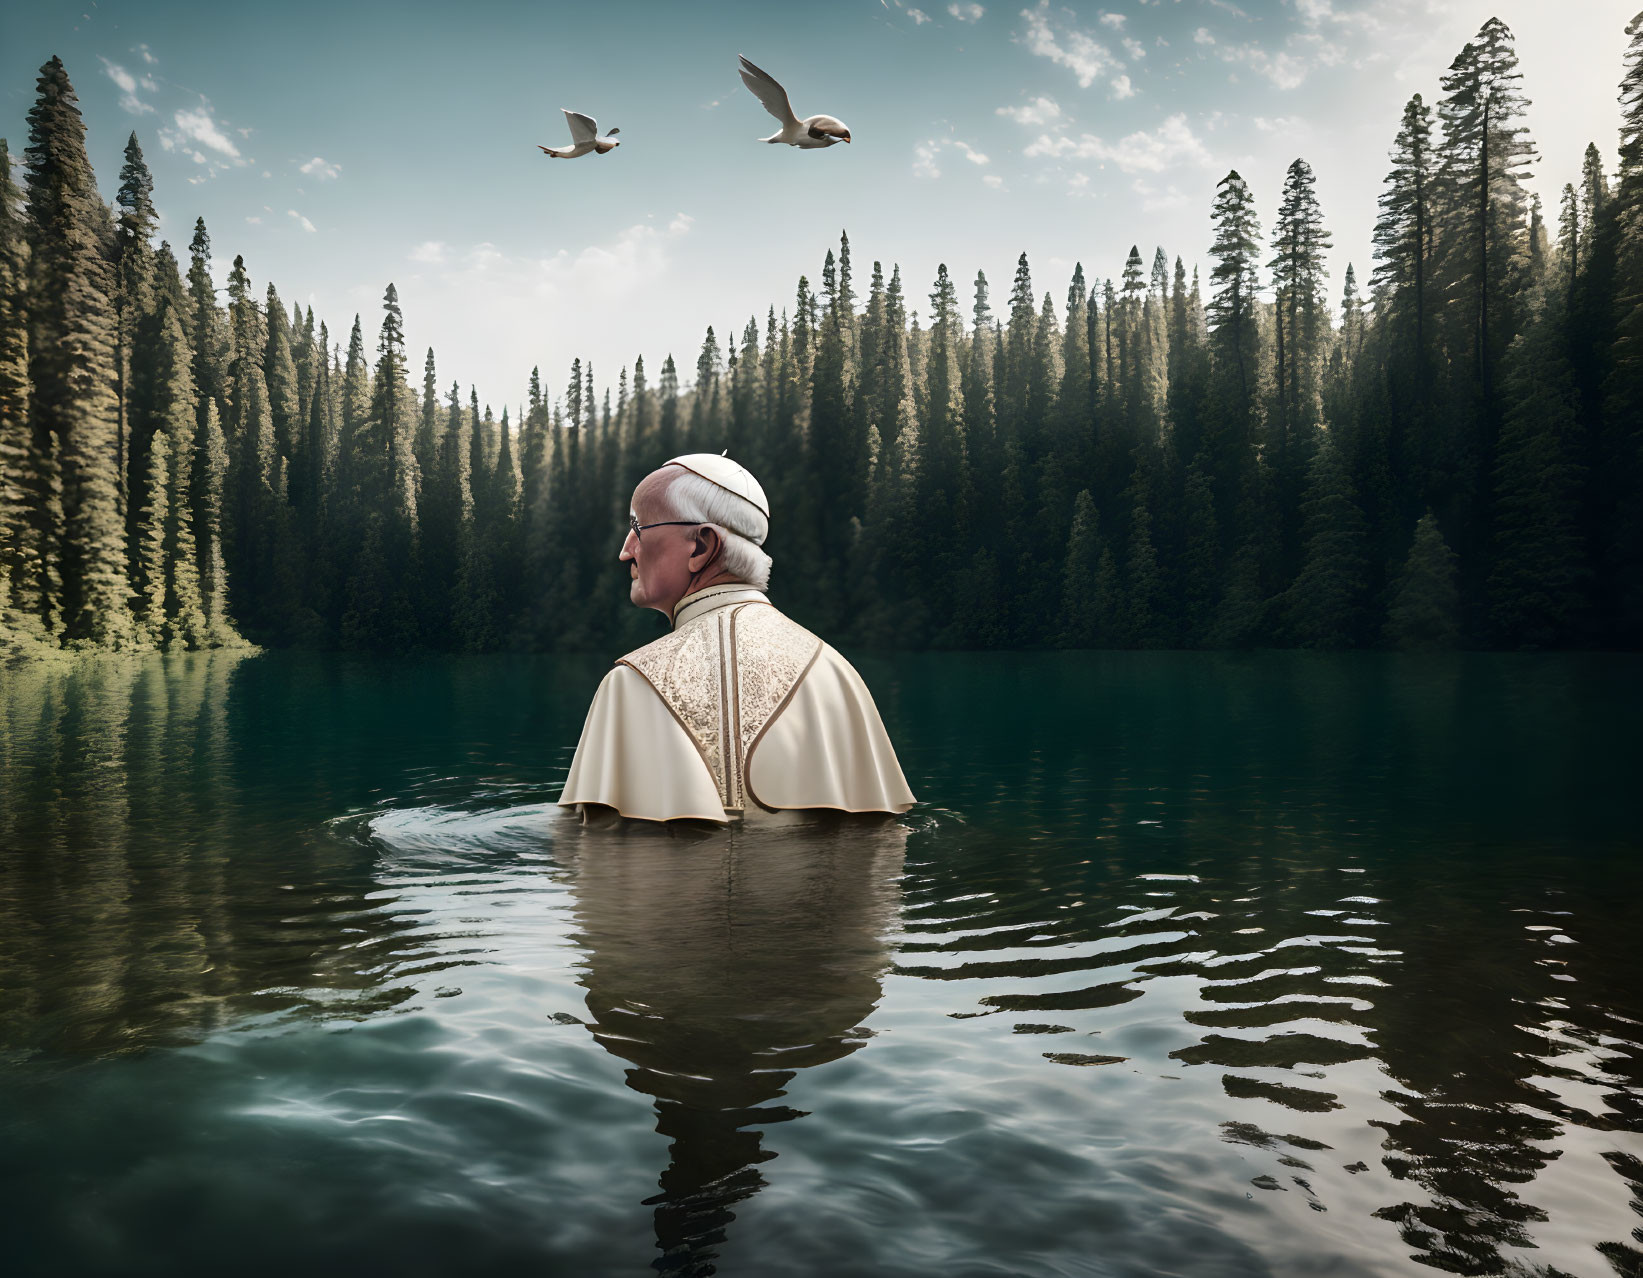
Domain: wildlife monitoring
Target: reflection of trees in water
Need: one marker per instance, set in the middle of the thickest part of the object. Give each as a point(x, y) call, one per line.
point(720, 968)
point(141, 892)
point(1360, 862)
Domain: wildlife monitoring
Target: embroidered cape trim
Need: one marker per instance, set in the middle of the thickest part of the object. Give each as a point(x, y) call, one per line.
point(724, 676)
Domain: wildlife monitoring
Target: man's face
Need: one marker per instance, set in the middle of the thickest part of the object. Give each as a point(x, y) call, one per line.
point(658, 559)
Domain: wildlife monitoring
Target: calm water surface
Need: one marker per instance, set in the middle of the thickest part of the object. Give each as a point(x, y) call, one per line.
point(1185, 964)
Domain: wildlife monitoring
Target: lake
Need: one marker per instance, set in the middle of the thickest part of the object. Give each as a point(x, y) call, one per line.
point(1204, 964)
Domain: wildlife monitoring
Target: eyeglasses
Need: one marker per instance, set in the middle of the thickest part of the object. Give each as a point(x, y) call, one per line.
point(636, 528)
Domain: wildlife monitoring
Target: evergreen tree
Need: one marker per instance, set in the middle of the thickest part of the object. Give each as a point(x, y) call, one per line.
point(211, 481)
point(1233, 412)
point(1153, 356)
point(1537, 582)
point(1073, 399)
point(1086, 609)
point(30, 491)
point(704, 404)
point(280, 374)
point(356, 407)
point(1143, 620)
point(1301, 311)
point(1425, 608)
point(207, 329)
point(1482, 265)
point(1326, 601)
point(172, 429)
point(380, 612)
point(133, 303)
point(1044, 375)
point(426, 448)
point(72, 364)
point(1300, 331)
point(1021, 336)
point(1404, 234)
point(152, 521)
point(1200, 557)
point(1232, 309)
point(252, 516)
point(1619, 504)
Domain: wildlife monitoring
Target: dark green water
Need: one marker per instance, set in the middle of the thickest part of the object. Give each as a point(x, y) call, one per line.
point(1186, 964)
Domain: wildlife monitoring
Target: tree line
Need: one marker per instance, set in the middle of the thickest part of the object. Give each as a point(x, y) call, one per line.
point(1450, 456)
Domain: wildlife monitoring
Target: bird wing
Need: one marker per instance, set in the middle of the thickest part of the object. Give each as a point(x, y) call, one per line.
point(582, 127)
point(770, 93)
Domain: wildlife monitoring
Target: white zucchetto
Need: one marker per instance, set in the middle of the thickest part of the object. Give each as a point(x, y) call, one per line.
point(729, 475)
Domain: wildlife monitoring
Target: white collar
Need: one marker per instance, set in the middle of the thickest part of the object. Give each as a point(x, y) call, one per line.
point(701, 602)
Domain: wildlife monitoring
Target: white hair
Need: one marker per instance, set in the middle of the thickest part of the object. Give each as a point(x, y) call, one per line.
point(740, 523)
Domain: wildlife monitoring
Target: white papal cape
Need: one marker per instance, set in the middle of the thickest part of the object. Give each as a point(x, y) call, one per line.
point(737, 712)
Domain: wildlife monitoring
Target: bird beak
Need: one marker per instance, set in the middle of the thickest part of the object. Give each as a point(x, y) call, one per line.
point(846, 137)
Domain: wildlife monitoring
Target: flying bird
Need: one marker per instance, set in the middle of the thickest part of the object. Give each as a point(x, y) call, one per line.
point(584, 136)
point(809, 133)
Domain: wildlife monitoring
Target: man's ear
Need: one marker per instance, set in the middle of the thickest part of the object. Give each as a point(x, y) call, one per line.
point(705, 548)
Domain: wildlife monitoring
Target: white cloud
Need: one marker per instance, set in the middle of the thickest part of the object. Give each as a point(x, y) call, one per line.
point(142, 51)
point(918, 16)
point(481, 257)
point(322, 169)
point(993, 180)
point(1134, 48)
point(1171, 143)
point(430, 252)
point(303, 222)
point(540, 306)
point(128, 85)
point(254, 221)
point(119, 75)
point(1050, 35)
point(613, 272)
point(1287, 68)
point(1122, 88)
point(1156, 200)
point(1114, 20)
point(1202, 36)
point(1039, 111)
point(927, 154)
point(198, 125)
point(1279, 124)
point(966, 12)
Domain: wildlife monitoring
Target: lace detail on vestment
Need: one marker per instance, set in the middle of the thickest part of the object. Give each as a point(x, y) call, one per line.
point(724, 676)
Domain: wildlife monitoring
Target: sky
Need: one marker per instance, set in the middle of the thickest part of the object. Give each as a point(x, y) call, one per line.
point(342, 146)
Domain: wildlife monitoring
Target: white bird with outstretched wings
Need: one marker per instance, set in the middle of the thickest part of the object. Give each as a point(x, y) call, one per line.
point(584, 136)
point(810, 133)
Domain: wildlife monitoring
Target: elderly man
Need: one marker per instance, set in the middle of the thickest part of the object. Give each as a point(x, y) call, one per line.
point(737, 713)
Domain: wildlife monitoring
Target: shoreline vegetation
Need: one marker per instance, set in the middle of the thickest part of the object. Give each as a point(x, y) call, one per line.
point(1449, 455)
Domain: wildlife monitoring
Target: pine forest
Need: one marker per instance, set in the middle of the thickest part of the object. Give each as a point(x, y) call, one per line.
point(1444, 451)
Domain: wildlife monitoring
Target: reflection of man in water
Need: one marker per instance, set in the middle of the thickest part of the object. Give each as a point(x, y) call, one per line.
point(720, 971)
point(738, 712)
